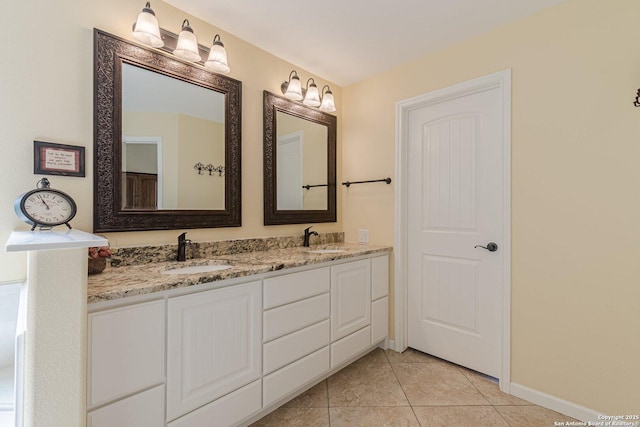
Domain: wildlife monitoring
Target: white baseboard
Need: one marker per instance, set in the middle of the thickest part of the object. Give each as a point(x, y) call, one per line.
point(554, 403)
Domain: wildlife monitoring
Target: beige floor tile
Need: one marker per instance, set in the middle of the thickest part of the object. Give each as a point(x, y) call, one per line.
point(531, 416)
point(376, 356)
point(315, 397)
point(295, 417)
point(365, 384)
point(373, 417)
point(491, 391)
point(409, 356)
point(436, 384)
point(459, 416)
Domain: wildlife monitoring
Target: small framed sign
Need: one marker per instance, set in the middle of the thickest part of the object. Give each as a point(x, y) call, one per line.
point(58, 159)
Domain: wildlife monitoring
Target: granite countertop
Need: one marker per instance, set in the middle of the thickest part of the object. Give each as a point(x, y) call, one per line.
point(120, 282)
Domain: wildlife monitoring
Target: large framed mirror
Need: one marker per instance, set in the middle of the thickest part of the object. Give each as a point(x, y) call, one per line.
point(299, 163)
point(167, 141)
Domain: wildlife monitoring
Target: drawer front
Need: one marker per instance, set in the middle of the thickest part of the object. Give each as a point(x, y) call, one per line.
point(289, 378)
point(145, 409)
point(379, 277)
point(289, 348)
point(379, 320)
point(349, 346)
point(293, 287)
point(126, 351)
point(226, 411)
point(292, 317)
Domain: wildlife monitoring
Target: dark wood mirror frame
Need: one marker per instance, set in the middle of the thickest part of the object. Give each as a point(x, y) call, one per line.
point(110, 52)
point(273, 216)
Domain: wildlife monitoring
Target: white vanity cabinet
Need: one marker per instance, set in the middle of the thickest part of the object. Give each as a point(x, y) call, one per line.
point(228, 355)
point(214, 343)
point(126, 360)
point(296, 331)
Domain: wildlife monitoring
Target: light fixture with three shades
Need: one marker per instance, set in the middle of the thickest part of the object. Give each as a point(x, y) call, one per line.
point(292, 89)
point(147, 31)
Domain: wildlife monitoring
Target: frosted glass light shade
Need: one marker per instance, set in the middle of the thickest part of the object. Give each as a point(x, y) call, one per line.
point(217, 60)
point(294, 90)
point(328, 105)
point(146, 29)
point(312, 98)
point(187, 46)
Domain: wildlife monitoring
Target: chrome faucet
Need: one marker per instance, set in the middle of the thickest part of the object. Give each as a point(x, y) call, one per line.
point(182, 246)
point(307, 235)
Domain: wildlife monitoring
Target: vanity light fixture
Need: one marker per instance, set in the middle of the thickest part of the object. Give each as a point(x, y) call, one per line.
point(311, 98)
point(328, 105)
point(292, 89)
point(187, 47)
point(217, 60)
point(146, 29)
point(309, 95)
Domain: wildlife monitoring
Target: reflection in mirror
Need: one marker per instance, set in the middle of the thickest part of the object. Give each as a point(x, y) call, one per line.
point(301, 153)
point(157, 117)
point(182, 124)
point(299, 163)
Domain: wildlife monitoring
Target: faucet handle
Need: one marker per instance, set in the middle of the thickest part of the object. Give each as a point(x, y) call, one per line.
point(182, 237)
point(306, 230)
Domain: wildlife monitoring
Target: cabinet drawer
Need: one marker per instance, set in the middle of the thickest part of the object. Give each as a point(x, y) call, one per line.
point(126, 351)
point(291, 317)
point(227, 410)
point(379, 320)
point(285, 350)
point(379, 277)
point(145, 409)
point(289, 378)
point(350, 345)
point(293, 287)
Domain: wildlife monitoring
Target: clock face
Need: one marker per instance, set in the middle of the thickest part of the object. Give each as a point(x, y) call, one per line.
point(48, 207)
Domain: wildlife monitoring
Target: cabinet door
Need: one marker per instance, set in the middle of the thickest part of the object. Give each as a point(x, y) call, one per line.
point(379, 320)
point(144, 409)
point(126, 351)
point(379, 277)
point(214, 345)
point(350, 298)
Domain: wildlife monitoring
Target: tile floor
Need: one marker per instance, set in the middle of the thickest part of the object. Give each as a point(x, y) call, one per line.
point(385, 388)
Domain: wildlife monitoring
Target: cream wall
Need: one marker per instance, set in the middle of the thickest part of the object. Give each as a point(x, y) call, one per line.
point(204, 143)
point(47, 94)
point(575, 197)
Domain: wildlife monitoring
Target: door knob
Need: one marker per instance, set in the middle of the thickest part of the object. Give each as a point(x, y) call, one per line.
point(491, 247)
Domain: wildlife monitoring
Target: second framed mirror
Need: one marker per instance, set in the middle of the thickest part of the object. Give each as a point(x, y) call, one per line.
point(299, 163)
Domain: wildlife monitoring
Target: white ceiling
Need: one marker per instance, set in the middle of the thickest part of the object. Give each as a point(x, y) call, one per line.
point(345, 41)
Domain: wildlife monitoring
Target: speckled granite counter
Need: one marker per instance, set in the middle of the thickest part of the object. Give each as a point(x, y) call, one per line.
point(121, 282)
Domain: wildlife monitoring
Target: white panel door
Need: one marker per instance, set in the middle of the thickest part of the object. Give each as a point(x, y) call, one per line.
point(289, 172)
point(214, 345)
point(350, 298)
point(455, 190)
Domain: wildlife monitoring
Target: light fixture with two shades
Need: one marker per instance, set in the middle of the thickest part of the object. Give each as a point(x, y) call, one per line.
point(292, 89)
point(147, 31)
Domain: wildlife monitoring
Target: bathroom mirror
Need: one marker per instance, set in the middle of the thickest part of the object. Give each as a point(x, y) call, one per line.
point(168, 141)
point(299, 163)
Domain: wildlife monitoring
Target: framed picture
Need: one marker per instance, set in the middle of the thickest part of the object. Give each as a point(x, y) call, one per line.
point(58, 159)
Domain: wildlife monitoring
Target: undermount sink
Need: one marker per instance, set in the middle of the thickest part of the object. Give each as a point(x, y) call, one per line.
point(326, 251)
point(195, 269)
